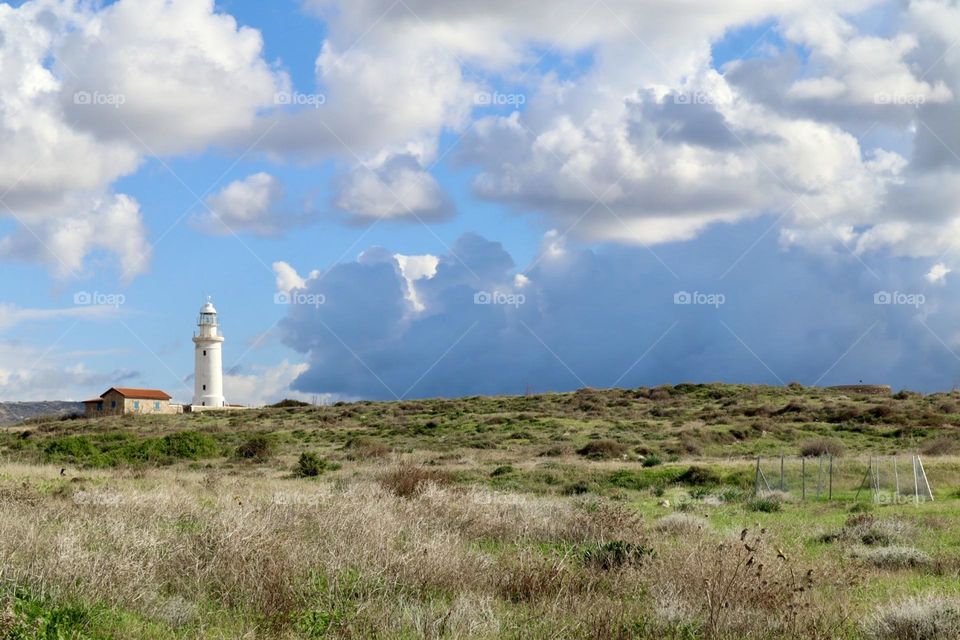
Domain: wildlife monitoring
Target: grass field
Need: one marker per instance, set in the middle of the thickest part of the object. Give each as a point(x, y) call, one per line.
point(595, 514)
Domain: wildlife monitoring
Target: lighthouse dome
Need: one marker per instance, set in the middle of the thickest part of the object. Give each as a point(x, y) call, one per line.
point(208, 308)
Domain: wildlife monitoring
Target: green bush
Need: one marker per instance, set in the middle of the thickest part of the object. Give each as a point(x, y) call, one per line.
point(765, 504)
point(699, 476)
point(119, 449)
point(652, 460)
point(34, 617)
point(77, 449)
point(258, 448)
point(311, 465)
point(189, 445)
point(287, 403)
point(614, 554)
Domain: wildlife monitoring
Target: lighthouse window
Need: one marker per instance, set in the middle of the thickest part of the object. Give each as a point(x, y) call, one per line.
point(204, 387)
point(204, 352)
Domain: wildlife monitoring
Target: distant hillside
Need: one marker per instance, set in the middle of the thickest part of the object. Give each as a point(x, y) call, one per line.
point(666, 423)
point(13, 412)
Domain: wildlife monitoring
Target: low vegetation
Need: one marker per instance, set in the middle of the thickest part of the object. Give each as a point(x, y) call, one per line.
point(597, 514)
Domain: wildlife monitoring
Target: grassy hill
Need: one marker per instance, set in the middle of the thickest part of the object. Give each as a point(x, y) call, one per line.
point(595, 514)
point(666, 423)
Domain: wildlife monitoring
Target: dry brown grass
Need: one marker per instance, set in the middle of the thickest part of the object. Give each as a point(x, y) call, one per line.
point(169, 543)
point(407, 480)
point(221, 555)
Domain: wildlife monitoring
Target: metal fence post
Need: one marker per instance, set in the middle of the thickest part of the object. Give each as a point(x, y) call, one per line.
point(830, 495)
point(803, 478)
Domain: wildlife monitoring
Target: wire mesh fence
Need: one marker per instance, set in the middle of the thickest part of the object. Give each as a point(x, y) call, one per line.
point(882, 479)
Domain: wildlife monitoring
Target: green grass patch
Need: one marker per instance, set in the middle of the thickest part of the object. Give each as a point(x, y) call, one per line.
point(123, 449)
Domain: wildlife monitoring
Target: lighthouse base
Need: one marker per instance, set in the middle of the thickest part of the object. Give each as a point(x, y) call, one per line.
point(197, 408)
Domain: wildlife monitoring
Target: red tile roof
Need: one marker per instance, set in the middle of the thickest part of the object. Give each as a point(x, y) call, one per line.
point(141, 394)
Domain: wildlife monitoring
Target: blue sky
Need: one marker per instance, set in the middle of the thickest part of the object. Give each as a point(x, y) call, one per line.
point(740, 194)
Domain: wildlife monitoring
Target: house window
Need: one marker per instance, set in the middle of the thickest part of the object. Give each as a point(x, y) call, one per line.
point(100, 406)
point(113, 404)
point(136, 404)
point(156, 405)
point(203, 404)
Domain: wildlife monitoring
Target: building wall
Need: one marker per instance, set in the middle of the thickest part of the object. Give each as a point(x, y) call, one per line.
point(114, 404)
point(141, 406)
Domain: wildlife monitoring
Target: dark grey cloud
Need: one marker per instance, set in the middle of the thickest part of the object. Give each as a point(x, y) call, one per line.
point(587, 317)
point(681, 118)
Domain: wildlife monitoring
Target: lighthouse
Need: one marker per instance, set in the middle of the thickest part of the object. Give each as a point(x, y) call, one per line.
point(208, 359)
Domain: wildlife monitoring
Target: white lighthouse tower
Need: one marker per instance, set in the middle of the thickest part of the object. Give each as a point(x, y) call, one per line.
point(208, 360)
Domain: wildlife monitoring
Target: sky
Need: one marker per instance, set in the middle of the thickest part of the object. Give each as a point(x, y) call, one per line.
point(392, 199)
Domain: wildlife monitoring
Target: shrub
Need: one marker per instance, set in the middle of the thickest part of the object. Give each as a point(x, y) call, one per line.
point(791, 407)
point(367, 448)
point(409, 480)
point(905, 394)
point(680, 524)
point(873, 531)
point(699, 476)
point(122, 448)
point(821, 447)
point(601, 449)
point(501, 471)
point(34, 616)
point(652, 460)
point(310, 465)
point(576, 489)
point(894, 557)
point(189, 445)
point(556, 451)
point(287, 403)
point(257, 448)
point(942, 446)
point(766, 503)
point(615, 554)
point(930, 617)
point(71, 449)
point(691, 447)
